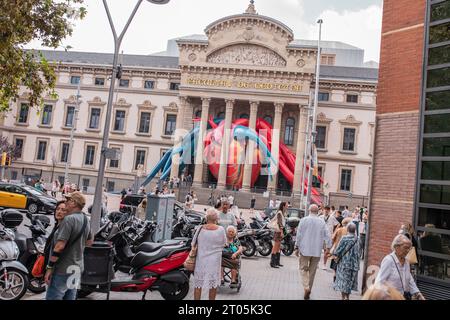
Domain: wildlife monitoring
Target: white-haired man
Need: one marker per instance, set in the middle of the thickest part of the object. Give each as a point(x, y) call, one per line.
point(312, 233)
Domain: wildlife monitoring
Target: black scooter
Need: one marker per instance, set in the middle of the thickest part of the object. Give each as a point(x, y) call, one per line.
point(31, 248)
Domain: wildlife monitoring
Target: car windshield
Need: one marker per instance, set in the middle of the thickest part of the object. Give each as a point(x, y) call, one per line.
point(34, 192)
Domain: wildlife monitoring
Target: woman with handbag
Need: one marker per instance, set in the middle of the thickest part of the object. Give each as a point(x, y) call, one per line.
point(208, 243)
point(396, 271)
point(231, 255)
point(277, 225)
point(347, 262)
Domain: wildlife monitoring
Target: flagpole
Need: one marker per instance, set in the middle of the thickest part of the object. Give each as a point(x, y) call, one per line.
point(314, 116)
point(305, 153)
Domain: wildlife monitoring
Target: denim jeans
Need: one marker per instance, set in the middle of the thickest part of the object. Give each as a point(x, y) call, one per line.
point(58, 290)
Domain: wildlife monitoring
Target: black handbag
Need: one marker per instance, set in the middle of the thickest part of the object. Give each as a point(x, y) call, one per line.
point(334, 263)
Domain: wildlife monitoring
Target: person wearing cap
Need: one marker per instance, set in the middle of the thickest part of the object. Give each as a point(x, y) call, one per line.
point(65, 265)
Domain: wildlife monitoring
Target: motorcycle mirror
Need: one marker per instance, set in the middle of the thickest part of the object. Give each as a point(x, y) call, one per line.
point(29, 215)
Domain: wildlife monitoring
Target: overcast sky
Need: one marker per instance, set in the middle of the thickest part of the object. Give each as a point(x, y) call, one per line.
point(356, 22)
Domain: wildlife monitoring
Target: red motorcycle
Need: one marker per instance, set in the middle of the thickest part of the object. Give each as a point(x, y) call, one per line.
point(156, 267)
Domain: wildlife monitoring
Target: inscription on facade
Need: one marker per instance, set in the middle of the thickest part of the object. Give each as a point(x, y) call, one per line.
point(244, 84)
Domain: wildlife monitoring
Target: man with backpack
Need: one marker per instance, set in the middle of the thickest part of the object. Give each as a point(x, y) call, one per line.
point(66, 264)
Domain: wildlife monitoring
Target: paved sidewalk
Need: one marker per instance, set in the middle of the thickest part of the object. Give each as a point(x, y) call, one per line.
point(259, 282)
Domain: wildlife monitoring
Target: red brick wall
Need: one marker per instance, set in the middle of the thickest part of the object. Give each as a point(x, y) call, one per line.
point(396, 137)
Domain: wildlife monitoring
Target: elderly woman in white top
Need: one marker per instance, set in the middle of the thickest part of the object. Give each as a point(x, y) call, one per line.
point(395, 269)
point(210, 239)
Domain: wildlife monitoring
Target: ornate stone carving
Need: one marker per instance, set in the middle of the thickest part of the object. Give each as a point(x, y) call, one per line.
point(301, 63)
point(248, 34)
point(192, 57)
point(350, 120)
point(322, 118)
point(247, 54)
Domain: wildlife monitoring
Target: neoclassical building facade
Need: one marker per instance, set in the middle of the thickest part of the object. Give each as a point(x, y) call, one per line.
point(244, 66)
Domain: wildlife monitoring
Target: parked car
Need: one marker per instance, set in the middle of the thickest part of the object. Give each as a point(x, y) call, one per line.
point(22, 196)
point(291, 212)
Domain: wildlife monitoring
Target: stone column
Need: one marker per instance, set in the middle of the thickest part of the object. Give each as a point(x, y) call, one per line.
point(275, 151)
point(198, 174)
point(226, 140)
point(188, 115)
point(297, 187)
point(246, 184)
point(178, 136)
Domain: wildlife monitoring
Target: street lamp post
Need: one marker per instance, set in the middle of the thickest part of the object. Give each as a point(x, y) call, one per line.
point(96, 207)
point(314, 117)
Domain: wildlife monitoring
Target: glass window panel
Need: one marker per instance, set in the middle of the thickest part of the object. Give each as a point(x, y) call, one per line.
point(438, 100)
point(440, 33)
point(171, 122)
point(149, 84)
point(440, 11)
point(174, 86)
point(436, 147)
point(436, 194)
point(268, 119)
point(70, 116)
point(436, 170)
point(114, 163)
point(439, 218)
point(437, 123)
point(349, 139)
point(19, 147)
point(320, 138)
point(439, 55)
point(434, 267)
point(23, 114)
point(346, 179)
point(140, 158)
point(144, 124)
point(42, 148)
point(324, 96)
point(352, 98)
point(289, 132)
point(99, 81)
point(124, 83)
point(119, 122)
point(315, 181)
point(244, 116)
point(94, 121)
point(438, 77)
point(47, 115)
point(90, 152)
point(75, 79)
point(64, 152)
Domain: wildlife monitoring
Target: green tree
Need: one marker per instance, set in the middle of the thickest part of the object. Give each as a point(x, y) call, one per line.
point(22, 21)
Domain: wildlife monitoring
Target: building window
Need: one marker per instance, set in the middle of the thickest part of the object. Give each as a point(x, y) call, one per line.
point(19, 147)
point(14, 175)
point(321, 137)
point(47, 115)
point(346, 180)
point(110, 186)
point(289, 132)
point(174, 86)
point(349, 139)
point(352, 98)
point(99, 81)
point(124, 83)
point(244, 116)
point(268, 119)
point(85, 184)
point(119, 120)
point(75, 80)
point(94, 119)
point(144, 123)
point(42, 150)
point(140, 158)
point(114, 163)
point(329, 60)
point(171, 123)
point(324, 96)
point(89, 157)
point(70, 116)
point(23, 113)
point(64, 152)
point(149, 84)
point(315, 181)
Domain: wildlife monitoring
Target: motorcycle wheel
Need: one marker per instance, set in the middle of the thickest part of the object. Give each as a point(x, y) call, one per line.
point(266, 248)
point(19, 287)
point(180, 294)
point(36, 285)
point(288, 249)
point(250, 248)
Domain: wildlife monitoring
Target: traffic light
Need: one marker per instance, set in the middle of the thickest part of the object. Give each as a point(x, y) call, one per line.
point(4, 155)
point(8, 160)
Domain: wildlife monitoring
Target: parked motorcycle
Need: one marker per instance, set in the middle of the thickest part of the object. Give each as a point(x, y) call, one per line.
point(187, 223)
point(32, 247)
point(288, 242)
point(160, 268)
point(13, 274)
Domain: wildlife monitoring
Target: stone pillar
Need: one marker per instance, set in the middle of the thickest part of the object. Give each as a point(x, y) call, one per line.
point(246, 184)
point(178, 136)
point(188, 116)
point(297, 187)
point(226, 140)
point(275, 151)
point(198, 174)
